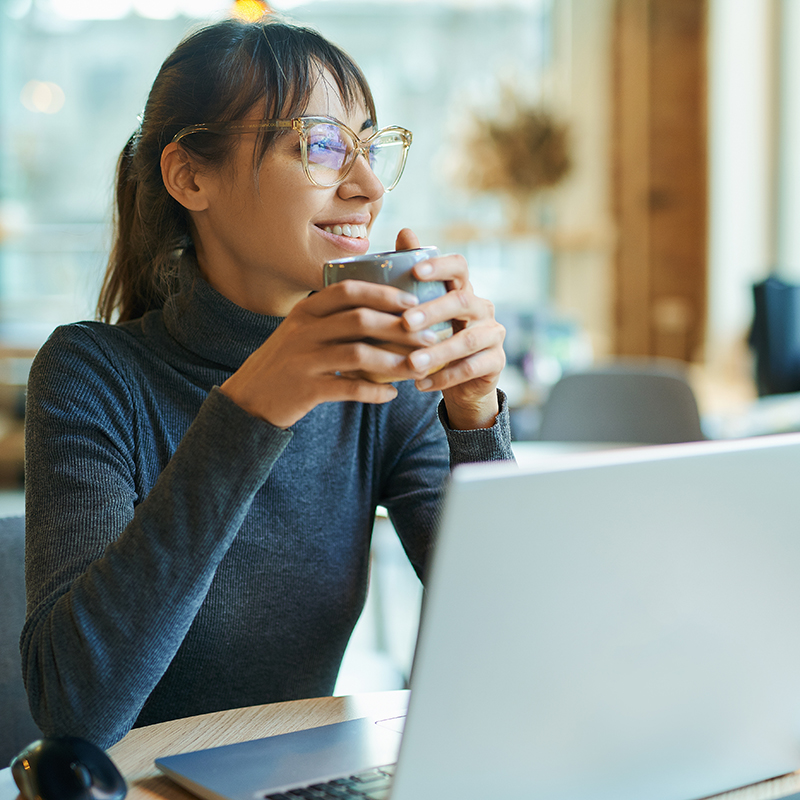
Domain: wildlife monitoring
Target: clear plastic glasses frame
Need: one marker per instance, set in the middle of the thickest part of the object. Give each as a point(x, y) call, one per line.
point(387, 146)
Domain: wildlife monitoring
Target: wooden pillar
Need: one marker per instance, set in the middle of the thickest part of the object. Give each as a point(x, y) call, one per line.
point(659, 177)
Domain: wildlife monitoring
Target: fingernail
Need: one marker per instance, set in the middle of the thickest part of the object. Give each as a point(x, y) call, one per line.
point(428, 336)
point(425, 383)
point(417, 318)
point(424, 269)
point(408, 299)
point(419, 359)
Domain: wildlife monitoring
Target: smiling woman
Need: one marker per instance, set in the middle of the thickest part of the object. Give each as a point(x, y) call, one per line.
point(203, 466)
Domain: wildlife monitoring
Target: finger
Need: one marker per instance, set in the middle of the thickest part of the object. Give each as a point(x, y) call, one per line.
point(483, 367)
point(458, 304)
point(343, 388)
point(450, 269)
point(476, 339)
point(355, 294)
point(406, 240)
point(375, 362)
point(358, 324)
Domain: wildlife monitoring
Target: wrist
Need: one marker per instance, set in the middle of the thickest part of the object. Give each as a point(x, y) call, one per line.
point(255, 406)
point(472, 416)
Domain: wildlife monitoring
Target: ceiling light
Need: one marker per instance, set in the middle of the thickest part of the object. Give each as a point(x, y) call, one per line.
point(250, 10)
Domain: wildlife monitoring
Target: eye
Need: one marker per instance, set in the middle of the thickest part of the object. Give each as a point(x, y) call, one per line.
point(326, 146)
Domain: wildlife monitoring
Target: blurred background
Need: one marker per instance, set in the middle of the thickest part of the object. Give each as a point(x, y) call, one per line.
point(619, 174)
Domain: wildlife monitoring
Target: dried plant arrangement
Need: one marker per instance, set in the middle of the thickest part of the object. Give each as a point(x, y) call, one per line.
point(519, 154)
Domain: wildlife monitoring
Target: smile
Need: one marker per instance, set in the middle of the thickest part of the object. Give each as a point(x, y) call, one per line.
point(353, 231)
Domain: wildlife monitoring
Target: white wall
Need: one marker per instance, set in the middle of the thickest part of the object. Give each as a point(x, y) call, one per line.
point(741, 190)
point(584, 250)
point(788, 217)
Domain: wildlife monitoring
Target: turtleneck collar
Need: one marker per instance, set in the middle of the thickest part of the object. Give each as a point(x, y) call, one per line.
point(211, 326)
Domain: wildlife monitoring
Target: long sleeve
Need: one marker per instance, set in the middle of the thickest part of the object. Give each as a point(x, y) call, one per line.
point(112, 593)
point(415, 480)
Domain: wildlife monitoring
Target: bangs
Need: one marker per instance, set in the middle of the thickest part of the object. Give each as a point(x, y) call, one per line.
point(234, 67)
point(280, 69)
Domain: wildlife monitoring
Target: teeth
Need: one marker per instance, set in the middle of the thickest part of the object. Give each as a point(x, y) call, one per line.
point(353, 231)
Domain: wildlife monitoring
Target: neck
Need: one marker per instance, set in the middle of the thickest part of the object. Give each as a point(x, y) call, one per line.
point(255, 291)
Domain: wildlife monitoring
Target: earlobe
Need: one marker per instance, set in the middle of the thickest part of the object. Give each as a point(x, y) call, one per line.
point(179, 175)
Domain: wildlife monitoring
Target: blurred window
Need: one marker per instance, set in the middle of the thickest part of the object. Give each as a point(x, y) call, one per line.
point(74, 75)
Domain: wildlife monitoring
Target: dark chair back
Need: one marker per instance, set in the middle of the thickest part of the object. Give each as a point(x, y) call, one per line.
point(17, 727)
point(775, 336)
point(623, 402)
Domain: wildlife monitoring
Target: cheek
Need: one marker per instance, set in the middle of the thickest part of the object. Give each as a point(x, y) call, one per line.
point(285, 198)
point(377, 205)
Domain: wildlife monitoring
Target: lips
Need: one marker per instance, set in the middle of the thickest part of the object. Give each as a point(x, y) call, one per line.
point(348, 238)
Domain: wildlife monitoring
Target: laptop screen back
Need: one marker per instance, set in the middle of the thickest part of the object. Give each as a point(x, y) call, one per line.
point(624, 626)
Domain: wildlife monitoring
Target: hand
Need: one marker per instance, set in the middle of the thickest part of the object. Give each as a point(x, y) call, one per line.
point(317, 353)
point(473, 357)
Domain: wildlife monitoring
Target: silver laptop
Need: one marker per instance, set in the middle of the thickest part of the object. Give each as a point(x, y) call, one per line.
point(622, 625)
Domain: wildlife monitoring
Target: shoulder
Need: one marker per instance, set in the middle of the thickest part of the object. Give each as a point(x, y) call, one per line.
point(83, 342)
point(85, 357)
point(85, 336)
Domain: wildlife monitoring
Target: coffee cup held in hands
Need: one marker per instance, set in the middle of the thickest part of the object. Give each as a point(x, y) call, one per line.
point(394, 269)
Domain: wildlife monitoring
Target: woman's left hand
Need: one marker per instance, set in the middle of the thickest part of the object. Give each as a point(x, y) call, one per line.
point(473, 357)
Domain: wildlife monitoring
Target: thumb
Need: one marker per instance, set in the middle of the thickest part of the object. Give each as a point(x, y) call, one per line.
point(406, 240)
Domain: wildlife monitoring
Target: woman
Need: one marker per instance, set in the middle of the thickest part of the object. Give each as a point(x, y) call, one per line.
point(201, 475)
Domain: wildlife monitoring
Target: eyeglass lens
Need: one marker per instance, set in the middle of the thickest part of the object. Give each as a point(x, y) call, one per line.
point(330, 150)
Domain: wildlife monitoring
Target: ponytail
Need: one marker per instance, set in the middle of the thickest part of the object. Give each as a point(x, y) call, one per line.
point(150, 232)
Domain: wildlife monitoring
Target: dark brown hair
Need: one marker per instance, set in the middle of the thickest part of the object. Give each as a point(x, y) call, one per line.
point(217, 74)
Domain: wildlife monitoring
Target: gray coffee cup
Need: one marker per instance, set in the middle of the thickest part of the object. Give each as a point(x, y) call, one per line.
point(393, 268)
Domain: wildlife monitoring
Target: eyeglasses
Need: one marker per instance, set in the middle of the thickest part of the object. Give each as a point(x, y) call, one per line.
point(328, 148)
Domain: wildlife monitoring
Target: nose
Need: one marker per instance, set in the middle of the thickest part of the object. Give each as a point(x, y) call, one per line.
point(361, 181)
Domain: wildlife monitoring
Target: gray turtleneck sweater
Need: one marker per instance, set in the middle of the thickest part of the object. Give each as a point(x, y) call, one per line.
point(183, 556)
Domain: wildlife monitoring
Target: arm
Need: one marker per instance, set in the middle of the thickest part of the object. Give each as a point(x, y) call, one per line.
point(114, 580)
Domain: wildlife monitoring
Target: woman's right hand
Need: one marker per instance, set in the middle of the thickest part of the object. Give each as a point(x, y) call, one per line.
point(315, 353)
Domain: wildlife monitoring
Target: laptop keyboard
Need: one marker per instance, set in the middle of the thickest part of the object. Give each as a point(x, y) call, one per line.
point(373, 784)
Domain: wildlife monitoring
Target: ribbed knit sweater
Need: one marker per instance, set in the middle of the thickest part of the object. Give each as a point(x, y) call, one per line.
point(183, 556)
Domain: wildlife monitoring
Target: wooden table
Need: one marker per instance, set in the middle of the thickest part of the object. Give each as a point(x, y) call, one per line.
point(134, 755)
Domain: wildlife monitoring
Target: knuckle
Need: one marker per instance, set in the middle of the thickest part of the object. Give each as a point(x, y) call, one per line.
point(349, 288)
point(471, 339)
point(359, 351)
point(469, 369)
point(362, 319)
point(463, 297)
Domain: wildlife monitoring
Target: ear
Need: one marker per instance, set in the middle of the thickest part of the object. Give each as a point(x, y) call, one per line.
point(180, 178)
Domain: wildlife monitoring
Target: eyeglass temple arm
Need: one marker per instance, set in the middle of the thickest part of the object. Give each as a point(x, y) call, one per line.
point(234, 127)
